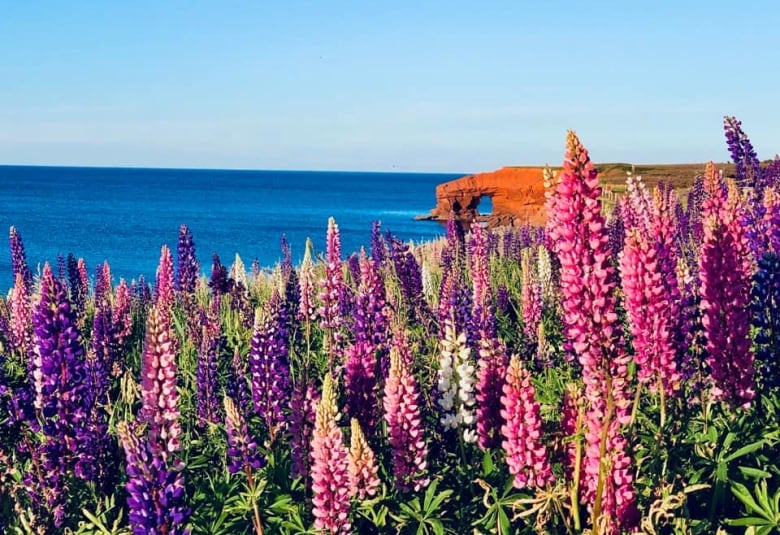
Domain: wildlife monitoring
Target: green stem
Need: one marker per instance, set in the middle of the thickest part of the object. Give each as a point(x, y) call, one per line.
point(602, 455)
point(575, 486)
point(251, 483)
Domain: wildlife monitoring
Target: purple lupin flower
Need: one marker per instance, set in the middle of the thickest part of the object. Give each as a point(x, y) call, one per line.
point(188, 268)
point(725, 274)
point(60, 388)
point(219, 282)
point(19, 259)
point(155, 491)
point(408, 450)
point(409, 275)
point(371, 311)
point(771, 173)
point(291, 286)
point(78, 291)
point(302, 417)
point(491, 369)
point(208, 402)
point(242, 451)
point(269, 366)
point(747, 166)
point(378, 247)
point(360, 384)
point(531, 295)
point(160, 399)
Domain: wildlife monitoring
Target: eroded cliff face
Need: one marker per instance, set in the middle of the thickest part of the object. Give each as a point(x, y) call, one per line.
point(517, 194)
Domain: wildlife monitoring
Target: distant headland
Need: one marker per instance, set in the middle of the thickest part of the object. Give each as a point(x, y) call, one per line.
point(517, 192)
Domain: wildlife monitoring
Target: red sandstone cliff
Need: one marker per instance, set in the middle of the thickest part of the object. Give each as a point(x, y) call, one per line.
point(517, 194)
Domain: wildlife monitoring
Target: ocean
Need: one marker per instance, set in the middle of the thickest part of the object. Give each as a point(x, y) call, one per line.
point(124, 215)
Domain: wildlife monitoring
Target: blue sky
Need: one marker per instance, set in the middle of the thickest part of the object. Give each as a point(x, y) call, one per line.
point(402, 85)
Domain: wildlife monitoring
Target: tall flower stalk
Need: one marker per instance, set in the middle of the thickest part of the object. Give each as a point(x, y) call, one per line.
point(579, 237)
point(725, 274)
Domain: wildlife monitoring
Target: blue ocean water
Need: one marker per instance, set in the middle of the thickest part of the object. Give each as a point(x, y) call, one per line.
point(124, 215)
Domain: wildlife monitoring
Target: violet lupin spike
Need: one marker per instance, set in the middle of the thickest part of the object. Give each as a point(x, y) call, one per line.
point(269, 366)
point(19, 259)
point(207, 400)
point(330, 466)
point(188, 268)
point(480, 278)
point(491, 370)
point(242, 448)
point(302, 417)
point(60, 391)
point(155, 492)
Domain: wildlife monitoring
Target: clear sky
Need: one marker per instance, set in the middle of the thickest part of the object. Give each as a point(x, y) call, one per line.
point(383, 85)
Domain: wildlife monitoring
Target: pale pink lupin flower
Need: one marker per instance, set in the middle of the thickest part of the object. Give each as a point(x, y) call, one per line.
point(21, 319)
point(363, 479)
point(330, 466)
point(160, 399)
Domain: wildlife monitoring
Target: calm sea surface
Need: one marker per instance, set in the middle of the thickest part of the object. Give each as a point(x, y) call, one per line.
point(125, 215)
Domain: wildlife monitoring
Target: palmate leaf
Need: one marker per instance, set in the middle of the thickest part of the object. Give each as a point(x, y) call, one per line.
point(758, 503)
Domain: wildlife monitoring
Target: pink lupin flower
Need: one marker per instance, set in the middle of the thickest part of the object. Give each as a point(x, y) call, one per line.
point(578, 235)
point(303, 406)
point(404, 422)
point(122, 314)
point(21, 319)
point(363, 479)
point(307, 312)
point(526, 455)
point(531, 296)
point(725, 274)
point(572, 420)
point(330, 466)
point(159, 397)
point(480, 275)
point(332, 290)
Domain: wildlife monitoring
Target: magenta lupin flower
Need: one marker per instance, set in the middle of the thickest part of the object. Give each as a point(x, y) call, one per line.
point(652, 298)
point(360, 384)
point(579, 237)
point(572, 420)
point(330, 466)
point(522, 443)
point(160, 410)
point(164, 296)
point(408, 450)
point(725, 275)
point(363, 469)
